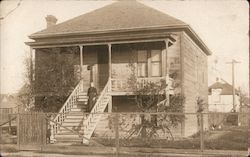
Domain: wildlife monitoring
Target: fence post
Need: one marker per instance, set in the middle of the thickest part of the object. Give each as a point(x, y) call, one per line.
point(9, 118)
point(18, 130)
point(201, 133)
point(117, 117)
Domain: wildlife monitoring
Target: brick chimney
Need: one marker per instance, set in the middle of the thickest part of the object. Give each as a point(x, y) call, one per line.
point(51, 20)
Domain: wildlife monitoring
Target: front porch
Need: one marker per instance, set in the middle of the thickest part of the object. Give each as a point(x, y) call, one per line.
point(145, 61)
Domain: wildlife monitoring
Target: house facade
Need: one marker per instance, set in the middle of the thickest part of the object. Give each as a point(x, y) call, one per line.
point(220, 97)
point(109, 45)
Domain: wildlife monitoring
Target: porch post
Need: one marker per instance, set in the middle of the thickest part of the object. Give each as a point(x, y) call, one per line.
point(81, 60)
point(110, 64)
point(166, 71)
point(110, 73)
point(32, 75)
point(81, 65)
point(31, 66)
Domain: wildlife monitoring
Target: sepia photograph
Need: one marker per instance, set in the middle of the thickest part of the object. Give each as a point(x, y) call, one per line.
point(136, 78)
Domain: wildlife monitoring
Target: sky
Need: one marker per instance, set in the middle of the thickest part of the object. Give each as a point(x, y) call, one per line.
point(222, 24)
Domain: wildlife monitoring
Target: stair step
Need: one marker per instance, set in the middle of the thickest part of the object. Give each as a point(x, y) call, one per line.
point(76, 109)
point(74, 120)
point(68, 140)
point(83, 93)
point(68, 132)
point(62, 129)
point(71, 131)
point(82, 99)
point(67, 136)
point(75, 113)
point(80, 105)
point(70, 124)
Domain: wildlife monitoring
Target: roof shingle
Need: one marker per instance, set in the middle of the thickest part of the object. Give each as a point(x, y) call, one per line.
point(116, 16)
point(227, 89)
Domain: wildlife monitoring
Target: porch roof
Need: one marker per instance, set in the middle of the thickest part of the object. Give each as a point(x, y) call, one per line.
point(118, 17)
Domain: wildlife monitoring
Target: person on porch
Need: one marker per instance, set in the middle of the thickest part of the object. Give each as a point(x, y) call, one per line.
point(92, 94)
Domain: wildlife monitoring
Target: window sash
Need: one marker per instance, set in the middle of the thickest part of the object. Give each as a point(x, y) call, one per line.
point(156, 55)
point(156, 69)
point(142, 56)
point(142, 70)
point(154, 63)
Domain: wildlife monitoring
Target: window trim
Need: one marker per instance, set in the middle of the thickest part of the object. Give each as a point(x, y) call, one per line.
point(160, 63)
point(149, 63)
point(141, 62)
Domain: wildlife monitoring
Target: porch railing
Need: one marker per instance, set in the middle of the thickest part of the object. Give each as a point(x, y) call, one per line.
point(122, 85)
point(70, 102)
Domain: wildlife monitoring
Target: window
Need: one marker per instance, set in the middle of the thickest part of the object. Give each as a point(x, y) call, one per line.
point(156, 62)
point(142, 69)
point(216, 95)
point(151, 68)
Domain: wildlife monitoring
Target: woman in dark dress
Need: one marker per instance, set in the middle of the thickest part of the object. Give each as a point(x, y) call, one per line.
point(92, 94)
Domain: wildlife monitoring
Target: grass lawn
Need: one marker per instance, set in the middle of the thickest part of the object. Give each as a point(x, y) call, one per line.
point(7, 138)
point(233, 138)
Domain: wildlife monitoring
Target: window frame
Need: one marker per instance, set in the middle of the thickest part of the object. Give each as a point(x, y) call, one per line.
point(159, 61)
point(149, 63)
point(142, 62)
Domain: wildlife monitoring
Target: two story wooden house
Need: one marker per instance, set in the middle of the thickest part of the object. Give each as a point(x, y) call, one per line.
point(100, 47)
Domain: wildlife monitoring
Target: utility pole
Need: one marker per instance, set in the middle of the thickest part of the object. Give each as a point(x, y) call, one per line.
point(233, 62)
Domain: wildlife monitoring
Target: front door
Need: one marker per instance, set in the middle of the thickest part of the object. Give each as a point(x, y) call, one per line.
point(103, 68)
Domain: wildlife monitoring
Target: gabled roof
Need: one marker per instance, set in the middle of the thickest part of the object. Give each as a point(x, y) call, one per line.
point(7, 101)
point(226, 88)
point(116, 16)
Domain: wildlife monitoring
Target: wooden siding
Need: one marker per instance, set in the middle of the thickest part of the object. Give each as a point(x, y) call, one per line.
point(174, 62)
point(194, 80)
point(121, 57)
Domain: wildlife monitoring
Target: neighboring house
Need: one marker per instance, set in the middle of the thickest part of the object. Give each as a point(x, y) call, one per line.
point(101, 45)
point(8, 105)
point(7, 101)
point(220, 98)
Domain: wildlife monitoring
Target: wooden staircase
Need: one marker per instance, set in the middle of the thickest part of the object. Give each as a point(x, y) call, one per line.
point(95, 115)
point(73, 121)
point(73, 124)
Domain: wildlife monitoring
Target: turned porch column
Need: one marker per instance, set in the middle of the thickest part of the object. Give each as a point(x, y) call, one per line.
point(31, 66)
point(110, 63)
point(166, 70)
point(81, 60)
point(110, 73)
point(81, 64)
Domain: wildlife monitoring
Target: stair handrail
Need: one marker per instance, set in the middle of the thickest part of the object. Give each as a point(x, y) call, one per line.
point(71, 100)
point(105, 90)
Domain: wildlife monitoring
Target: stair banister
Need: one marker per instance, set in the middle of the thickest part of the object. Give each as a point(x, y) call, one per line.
point(94, 110)
point(60, 117)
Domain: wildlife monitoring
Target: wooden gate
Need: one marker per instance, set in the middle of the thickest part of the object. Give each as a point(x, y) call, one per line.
point(31, 131)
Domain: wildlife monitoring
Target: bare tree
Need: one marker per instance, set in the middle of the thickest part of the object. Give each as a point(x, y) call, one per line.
point(150, 98)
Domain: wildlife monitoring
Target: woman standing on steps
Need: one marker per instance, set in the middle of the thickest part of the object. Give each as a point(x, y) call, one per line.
point(92, 94)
